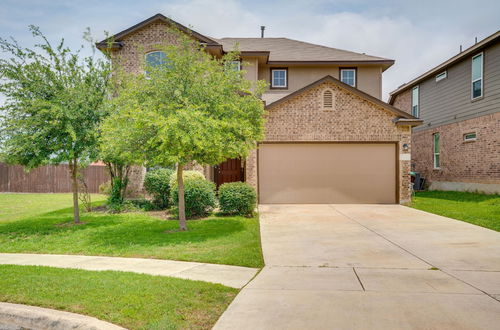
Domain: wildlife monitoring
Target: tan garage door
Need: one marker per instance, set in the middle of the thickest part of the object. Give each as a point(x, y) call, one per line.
point(327, 173)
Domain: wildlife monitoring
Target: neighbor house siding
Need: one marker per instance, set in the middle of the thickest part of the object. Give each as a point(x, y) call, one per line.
point(462, 162)
point(449, 100)
point(402, 101)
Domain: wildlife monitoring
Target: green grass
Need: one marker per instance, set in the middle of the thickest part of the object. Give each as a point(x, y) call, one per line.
point(18, 206)
point(38, 229)
point(479, 209)
point(134, 301)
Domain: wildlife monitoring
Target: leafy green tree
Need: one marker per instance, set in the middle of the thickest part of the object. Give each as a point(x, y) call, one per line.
point(190, 108)
point(54, 105)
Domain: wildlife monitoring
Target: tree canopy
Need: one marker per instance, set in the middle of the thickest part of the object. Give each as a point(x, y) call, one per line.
point(54, 105)
point(191, 107)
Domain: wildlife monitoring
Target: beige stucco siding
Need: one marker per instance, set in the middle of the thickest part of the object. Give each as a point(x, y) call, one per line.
point(250, 65)
point(369, 78)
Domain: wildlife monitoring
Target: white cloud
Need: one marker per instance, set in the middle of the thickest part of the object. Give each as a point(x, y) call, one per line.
point(418, 35)
point(415, 44)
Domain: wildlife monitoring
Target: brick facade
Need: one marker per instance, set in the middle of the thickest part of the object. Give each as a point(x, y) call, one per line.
point(131, 56)
point(472, 162)
point(298, 119)
point(302, 118)
point(402, 101)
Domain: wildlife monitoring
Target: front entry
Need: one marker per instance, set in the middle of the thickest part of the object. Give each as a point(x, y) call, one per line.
point(229, 171)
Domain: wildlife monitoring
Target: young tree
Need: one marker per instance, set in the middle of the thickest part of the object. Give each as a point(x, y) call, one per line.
point(53, 106)
point(119, 151)
point(190, 108)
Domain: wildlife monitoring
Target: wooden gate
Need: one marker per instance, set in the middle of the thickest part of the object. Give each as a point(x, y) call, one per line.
point(229, 171)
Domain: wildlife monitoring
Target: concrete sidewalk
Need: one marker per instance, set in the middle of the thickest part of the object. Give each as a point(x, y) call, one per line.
point(369, 267)
point(15, 317)
point(232, 276)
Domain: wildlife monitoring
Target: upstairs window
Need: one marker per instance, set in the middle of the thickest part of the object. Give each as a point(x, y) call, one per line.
point(328, 99)
point(234, 65)
point(415, 107)
point(155, 59)
point(477, 76)
point(348, 76)
point(279, 78)
point(437, 162)
point(470, 137)
point(441, 76)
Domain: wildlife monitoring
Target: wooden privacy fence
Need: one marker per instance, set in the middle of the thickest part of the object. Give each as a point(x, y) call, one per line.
point(48, 179)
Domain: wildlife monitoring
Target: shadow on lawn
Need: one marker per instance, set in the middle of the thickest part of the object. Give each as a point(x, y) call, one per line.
point(116, 230)
point(162, 233)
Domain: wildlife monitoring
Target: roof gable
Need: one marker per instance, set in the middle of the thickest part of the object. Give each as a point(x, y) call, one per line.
point(117, 38)
point(407, 118)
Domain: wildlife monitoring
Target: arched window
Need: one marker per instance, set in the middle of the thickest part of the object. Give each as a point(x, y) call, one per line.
point(328, 99)
point(155, 58)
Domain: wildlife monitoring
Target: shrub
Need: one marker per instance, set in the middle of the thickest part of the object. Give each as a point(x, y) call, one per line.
point(105, 188)
point(115, 198)
point(186, 175)
point(199, 194)
point(157, 184)
point(237, 198)
point(125, 206)
point(143, 204)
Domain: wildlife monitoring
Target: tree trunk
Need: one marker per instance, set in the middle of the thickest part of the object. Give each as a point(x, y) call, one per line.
point(122, 172)
point(74, 177)
point(182, 205)
point(125, 174)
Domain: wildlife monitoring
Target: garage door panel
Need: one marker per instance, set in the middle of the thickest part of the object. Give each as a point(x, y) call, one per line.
point(327, 173)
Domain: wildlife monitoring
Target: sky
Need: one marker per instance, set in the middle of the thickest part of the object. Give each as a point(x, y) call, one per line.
point(418, 35)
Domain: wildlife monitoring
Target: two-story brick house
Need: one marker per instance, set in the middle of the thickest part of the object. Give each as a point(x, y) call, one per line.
point(458, 145)
point(329, 138)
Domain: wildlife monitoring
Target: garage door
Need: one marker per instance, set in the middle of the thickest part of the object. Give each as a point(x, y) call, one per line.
point(327, 173)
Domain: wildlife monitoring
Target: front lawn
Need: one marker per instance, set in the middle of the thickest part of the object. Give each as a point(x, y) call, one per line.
point(18, 206)
point(46, 228)
point(479, 209)
point(134, 301)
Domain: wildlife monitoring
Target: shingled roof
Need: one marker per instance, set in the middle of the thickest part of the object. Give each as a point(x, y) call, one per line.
point(277, 50)
point(284, 50)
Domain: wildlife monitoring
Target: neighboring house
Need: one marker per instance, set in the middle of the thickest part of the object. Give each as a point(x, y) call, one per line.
point(329, 138)
point(458, 145)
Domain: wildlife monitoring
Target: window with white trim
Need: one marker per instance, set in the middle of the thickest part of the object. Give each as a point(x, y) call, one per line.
point(441, 76)
point(156, 58)
point(470, 136)
point(415, 107)
point(279, 78)
point(348, 76)
point(477, 76)
point(436, 150)
point(234, 65)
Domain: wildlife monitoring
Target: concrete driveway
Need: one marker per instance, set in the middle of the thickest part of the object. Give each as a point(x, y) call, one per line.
point(370, 267)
